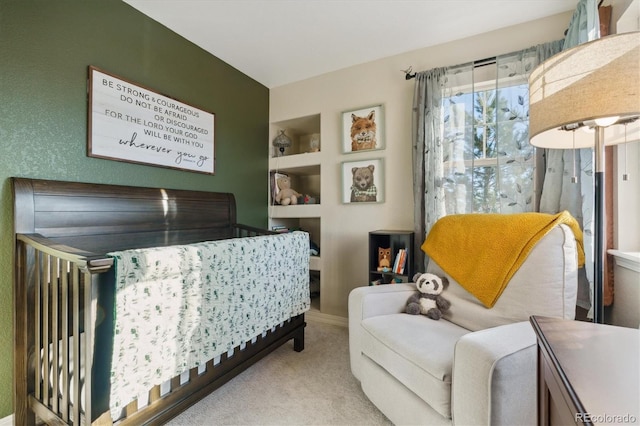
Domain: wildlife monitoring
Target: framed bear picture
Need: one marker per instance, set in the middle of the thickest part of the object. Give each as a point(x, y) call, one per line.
point(363, 181)
point(363, 129)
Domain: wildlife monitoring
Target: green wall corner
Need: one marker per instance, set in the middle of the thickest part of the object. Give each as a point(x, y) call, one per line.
point(45, 51)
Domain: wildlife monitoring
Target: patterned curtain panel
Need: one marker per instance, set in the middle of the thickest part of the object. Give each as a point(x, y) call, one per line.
point(427, 156)
point(471, 139)
point(559, 192)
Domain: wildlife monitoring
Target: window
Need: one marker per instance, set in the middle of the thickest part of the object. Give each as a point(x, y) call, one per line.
point(488, 161)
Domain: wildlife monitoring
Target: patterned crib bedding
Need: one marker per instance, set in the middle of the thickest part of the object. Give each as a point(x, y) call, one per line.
point(178, 307)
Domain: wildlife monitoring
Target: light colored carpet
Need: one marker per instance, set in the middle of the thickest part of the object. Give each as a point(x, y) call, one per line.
point(312, 387)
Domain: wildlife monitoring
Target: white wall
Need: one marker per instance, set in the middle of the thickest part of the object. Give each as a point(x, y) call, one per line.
point(626, 18)
point(345, 227)
point(625, 310)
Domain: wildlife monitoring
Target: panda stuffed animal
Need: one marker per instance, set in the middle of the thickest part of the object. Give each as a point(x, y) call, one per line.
point(428, 300)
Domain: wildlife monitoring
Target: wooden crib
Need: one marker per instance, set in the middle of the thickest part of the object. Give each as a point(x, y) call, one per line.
point(63, 231)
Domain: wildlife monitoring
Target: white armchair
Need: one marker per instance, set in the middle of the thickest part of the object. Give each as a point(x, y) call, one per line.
point(475, 366)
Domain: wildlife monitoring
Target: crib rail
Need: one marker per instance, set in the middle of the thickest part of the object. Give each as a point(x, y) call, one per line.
point(57, 287)
point(240, 231)
point(185, 390)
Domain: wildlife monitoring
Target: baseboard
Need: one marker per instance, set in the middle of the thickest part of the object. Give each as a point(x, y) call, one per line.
point(7, 421)
point(317, 316)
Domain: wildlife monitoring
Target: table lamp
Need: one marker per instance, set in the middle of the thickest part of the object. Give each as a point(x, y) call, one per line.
point(589, 96)
point(281, 141)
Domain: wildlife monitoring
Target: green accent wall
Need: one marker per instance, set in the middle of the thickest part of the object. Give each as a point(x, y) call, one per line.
point(45, 50)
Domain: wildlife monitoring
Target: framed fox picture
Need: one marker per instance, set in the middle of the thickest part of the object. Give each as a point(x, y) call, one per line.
point(363, 129)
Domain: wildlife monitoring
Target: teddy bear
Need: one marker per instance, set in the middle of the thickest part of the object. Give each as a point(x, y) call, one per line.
point(428, 300)
point(286, 195)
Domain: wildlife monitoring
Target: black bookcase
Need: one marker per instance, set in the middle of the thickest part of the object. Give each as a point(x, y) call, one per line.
point(395, 240)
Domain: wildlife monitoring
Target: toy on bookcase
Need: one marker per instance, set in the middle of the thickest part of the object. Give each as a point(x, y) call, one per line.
point(384, 259)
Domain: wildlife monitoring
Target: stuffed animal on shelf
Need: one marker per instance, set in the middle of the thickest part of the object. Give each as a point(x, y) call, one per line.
point(384, 259)
point(308, 199)
point(428, 300)
point(286, 195)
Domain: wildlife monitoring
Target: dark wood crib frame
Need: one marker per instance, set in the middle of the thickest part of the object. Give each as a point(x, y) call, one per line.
point(63, 230)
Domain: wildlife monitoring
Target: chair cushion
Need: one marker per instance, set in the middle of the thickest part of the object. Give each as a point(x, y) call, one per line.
point(545, 284)
point(417, 351)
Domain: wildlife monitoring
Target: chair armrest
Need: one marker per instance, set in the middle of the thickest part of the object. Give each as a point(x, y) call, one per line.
point(371, 301)
point(495, 376)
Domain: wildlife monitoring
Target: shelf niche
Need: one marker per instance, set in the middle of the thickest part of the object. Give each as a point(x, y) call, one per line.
point(305, 181)
point(303, 132)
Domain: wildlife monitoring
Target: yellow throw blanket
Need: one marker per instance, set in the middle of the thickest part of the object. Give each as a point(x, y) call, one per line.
point(483, 251)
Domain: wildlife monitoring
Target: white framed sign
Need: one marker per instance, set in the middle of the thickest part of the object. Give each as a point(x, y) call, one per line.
point(130, 123)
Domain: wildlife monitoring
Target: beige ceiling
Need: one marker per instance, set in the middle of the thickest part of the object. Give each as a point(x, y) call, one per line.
point(277, 42)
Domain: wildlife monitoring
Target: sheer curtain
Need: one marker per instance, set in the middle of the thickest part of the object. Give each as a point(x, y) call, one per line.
point(427, 153)
point(471, 150)
point(559, 192)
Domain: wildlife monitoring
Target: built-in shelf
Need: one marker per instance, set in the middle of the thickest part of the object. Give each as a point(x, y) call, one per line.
point(315, 263)
point(307, 163)
point(299, 210)
point(301, 163)
point(304, 133)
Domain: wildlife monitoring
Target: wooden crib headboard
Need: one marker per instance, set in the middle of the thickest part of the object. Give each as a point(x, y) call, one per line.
point(98, 218)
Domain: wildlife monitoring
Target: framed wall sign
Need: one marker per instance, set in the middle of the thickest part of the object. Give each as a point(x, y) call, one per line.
point(128, 122)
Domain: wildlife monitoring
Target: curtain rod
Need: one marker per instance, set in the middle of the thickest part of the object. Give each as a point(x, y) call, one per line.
point(408, 75)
